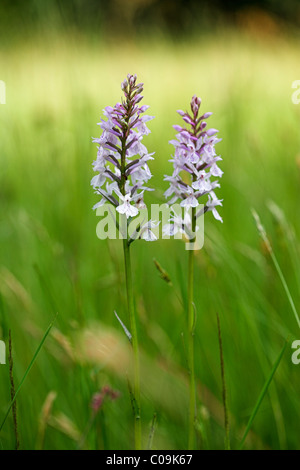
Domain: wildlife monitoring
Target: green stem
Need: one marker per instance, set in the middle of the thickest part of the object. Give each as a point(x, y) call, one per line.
point(129, 289)
point(133, 330)
point(191, 324)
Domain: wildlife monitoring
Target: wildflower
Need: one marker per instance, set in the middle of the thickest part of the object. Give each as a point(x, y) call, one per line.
point(98, 398)
point(195, 173)
point(195, 160)
point(122, 158)
point(122, 166)
point(126, 208)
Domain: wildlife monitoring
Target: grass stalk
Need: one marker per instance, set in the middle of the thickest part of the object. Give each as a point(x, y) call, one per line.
point(265, 238)
point(26, 373)
point(262, 394)
point(224, 390)
point(12, 390)
point(152, 431)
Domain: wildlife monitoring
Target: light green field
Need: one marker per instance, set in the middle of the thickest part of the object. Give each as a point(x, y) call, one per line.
point(51, 260)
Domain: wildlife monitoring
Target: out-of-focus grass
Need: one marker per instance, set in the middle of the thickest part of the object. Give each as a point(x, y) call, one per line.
point(51, 260)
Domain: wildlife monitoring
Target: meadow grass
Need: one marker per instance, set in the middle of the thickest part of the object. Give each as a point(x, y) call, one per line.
point(52, 262)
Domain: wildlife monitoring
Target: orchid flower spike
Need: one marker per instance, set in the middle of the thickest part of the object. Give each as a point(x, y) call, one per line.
point(195, 165)
point(122, 159)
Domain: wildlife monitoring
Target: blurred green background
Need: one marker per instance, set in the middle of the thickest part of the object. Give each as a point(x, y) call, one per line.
point(62, 63)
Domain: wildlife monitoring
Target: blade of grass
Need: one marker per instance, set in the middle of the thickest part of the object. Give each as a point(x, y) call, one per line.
point(12, 390)
point(224, 390)
point(27, 371)
point(289, 237)
point(152, 431)
point(126, 331)
point(263, 235)
point(262, 394)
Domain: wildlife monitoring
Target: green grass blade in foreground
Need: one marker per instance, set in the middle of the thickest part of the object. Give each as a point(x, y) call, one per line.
point(263, 235)
point(224, 390)
point(262, 394)
point(288, 235)
point(27, 371)
point(152, 431)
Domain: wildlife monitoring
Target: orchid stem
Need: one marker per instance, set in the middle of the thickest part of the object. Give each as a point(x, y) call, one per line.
point(134, 340)
point(191, 325)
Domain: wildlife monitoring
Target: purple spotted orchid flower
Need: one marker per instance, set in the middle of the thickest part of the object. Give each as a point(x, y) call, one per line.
point(195, 164)
point(122, 159)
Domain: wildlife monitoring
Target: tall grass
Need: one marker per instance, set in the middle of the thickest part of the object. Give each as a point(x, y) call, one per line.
point(51, 259)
